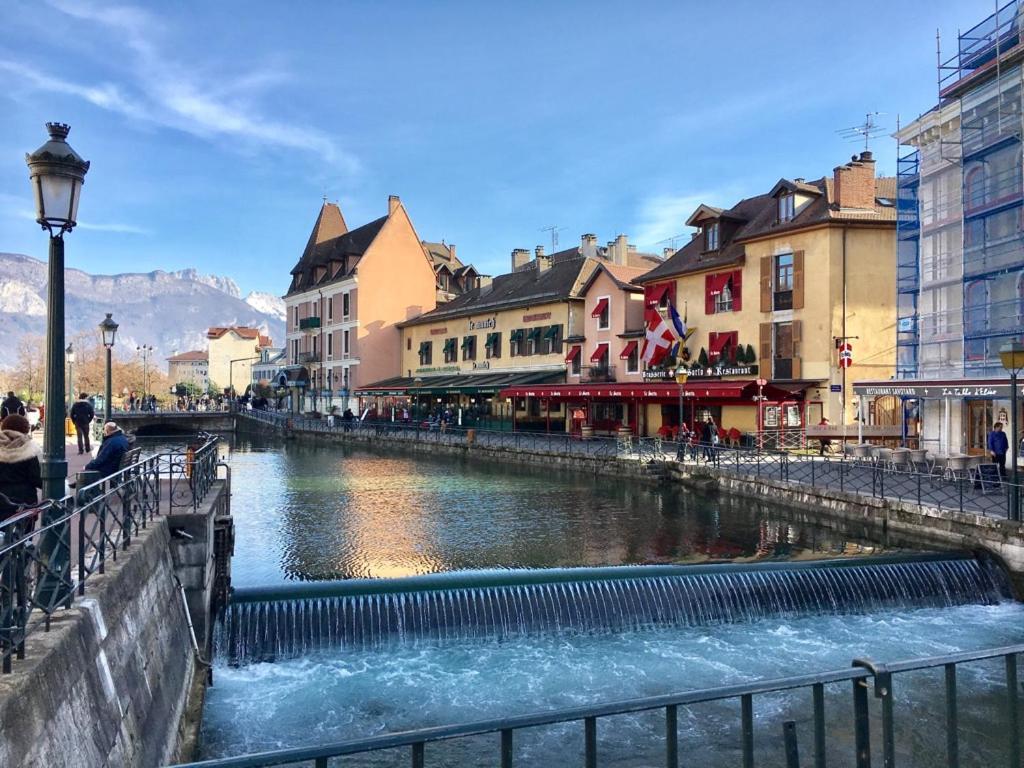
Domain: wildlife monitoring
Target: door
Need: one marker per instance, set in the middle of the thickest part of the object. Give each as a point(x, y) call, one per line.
point(979, 424)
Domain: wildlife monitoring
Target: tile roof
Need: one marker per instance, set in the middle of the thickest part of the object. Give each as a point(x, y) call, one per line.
point(346, 248)
point(246, 333)
point(558, 282)
point(196, 355)
point(621, 275)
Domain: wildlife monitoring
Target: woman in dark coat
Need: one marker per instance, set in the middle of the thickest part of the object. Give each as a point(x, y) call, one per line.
point(19, 466)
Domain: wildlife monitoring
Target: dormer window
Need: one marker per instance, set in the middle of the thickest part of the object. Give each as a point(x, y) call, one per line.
point(711, 236)
point(787, 207)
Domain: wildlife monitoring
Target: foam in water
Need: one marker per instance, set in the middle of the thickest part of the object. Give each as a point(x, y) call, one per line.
point(288, 628)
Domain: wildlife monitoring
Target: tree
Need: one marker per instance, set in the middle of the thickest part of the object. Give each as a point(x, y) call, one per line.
point(702, 358)
point(28, 377)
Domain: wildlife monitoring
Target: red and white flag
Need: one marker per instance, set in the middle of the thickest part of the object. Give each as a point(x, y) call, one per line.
point(659, 338)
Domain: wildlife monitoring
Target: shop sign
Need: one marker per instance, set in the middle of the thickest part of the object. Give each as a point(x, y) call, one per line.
point(715, 372)
point(483, 325)
point(537, 316)
point(481, 365)
point(439, 331)
point(983, 391)
point(439, 369)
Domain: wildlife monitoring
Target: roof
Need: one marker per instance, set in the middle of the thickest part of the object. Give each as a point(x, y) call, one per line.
point(196, 355)
point(757, 217)
point(621, 275)
point(345, 249)
point(558, 282)
point(246, 333)
point(441, 254)
point(266, 341)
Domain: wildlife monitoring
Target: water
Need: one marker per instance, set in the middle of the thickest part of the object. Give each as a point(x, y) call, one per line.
point(308, 514)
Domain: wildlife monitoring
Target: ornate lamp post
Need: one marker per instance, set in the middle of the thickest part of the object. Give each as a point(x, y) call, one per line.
point(108, 332)
point(145, 350)
point(69, 356)
point(681, 376)
point(1012, 357)
point(57, 174)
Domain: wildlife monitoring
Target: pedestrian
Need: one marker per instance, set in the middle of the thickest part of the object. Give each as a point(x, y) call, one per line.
point(348, 417)
point(19, 466)
point(708, 437)
point(998, 445)
point(824, 443)
point(11, 405)
point(112, 450)
point(82, 414)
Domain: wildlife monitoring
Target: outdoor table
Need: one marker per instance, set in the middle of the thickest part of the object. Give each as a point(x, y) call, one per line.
point(862, 451)
point(956, 467)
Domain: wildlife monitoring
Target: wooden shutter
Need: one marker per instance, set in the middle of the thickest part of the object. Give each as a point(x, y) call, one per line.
point(798, 280)
point(766, 284)
point(709, 300)
point(765, 348)
point(797, 340)
point(737, 290)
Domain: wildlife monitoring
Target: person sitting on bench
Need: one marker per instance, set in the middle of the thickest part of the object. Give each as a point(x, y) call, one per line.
point(112, 450)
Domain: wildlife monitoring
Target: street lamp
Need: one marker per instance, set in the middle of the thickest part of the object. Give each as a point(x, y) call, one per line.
point(145, 350)
point(108, 332)
point(231, 375)
point(57, 174)
point(1012, 357)
point(681, 376)
point(69, 356)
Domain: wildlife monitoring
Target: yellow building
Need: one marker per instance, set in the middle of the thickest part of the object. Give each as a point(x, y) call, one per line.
point(771, 288)
point(230, 354)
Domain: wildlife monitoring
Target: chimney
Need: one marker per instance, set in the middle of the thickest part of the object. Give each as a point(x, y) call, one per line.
point(855, 183)
point(538, 252)
point(667, 252)
point(451, 250)
point(588, 245)
point(618, 249)
point(520, 258)
point(543, 262)
point(393, 202)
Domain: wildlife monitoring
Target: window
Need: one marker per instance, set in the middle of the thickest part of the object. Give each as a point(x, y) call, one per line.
point(295, 324)
point(493, 346)
point(573, 359)
point(786, 207)
point(722, 292)
point(426, 352)
point(782, 363)
point(344, 344)
point(711, 236)
point(344, 306)
point(451, 354)
point(533, 337)
point(783, 282)
point(408, 343)
point(723, 299)
point(631, 354)
point(469, 347)
point(602, 312)
point(515, 343)
point(330, 308)
point(722, 347)
point(330, 346)
point(552, 341)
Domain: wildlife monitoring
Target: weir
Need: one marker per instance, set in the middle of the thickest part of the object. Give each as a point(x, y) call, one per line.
point(266, 624)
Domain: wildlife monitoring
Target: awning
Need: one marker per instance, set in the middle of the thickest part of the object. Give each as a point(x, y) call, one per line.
point(599, 354)
point(719, 342)
point(469, 383)
point(741, 392)
point(574, 352)
point(628, 350)
point(602, 305)
point(449, 344)
point(293, 376)
point(467, 341)
point(534, 333)
point(492, 339)
point(716, 283)
point(552, 332)
point(424, 345)
point(653, 294)
point(516, 335)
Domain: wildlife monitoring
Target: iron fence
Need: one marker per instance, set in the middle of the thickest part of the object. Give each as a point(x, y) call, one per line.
point(862, 676)
point(48, 552)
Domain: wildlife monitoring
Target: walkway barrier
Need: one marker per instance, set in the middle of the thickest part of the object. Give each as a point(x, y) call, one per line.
point(865, 679)
point(49, 552)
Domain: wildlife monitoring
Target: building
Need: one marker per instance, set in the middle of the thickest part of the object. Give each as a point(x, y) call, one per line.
point(231, 351)
point(189, 368)
point(265, 371)
point(348, 293)
point(453, 278)
point(960, 259)
point(512, 330)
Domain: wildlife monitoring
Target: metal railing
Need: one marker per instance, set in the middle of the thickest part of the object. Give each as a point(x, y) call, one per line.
point(862, 676)
point(925, 484)
point(48, 552)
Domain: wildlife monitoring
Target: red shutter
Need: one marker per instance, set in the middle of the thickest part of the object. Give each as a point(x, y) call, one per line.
point(737, 292)
point(709, 298)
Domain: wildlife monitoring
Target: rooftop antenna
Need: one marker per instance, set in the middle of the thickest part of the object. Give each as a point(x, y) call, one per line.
point(554, 229)
point(869, 129)
point(671, 241)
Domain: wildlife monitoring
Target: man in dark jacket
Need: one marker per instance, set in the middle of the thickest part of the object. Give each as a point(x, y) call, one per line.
point(19, 466)
point(998, 445)
point(82, 414)
point(112, 450)
point(11, 405)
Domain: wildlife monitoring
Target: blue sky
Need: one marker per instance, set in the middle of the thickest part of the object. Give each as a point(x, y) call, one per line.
point(215, 128)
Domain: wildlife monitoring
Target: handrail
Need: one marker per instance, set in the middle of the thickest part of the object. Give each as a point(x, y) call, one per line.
point(589, 713)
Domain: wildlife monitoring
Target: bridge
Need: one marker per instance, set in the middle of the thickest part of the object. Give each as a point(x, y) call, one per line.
point(154, 423)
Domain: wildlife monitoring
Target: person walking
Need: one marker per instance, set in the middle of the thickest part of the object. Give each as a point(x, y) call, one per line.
point(20, 476)
point(708, 435)
point(112, 450)
point(82, 414)
point(998, 445)
point(11, 405)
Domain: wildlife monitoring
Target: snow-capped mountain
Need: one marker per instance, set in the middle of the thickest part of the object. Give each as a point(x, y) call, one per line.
point(268, 304)
point(170, 310)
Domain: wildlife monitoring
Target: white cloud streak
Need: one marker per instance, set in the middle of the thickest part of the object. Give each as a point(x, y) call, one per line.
point(11, 209)
point(664, 216)
point(166, 92)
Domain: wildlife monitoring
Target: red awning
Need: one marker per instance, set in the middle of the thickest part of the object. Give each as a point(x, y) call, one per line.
point(574, 352)
point(717, 282)
point(720, 341)
point(709, 390)
point(599, 354)
point(628, 350)
point(602, 305)
point(655, 293)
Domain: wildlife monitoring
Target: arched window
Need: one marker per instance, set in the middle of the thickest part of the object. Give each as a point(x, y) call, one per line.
point(974, 188)
point(976, 308)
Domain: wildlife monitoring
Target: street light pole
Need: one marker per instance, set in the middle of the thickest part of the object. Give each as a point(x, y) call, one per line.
point(231, 375)
point(108, 332)
point(69, 355)
point(1012, 357)
point(145, 350)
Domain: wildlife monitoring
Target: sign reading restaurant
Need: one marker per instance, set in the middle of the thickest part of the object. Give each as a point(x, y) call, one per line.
point(995, 390)
point(697, 372)
point(483, 325)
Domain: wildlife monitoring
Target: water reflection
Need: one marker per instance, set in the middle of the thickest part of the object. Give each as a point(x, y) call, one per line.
point(318, 512)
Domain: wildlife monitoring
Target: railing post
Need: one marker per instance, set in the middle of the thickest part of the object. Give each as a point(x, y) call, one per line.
point(818, 692)
point(952, 726)
point(417, 755)
point(747, 726)
point(1012, 709)
point(590, 742)
point(9, 563)
point(813, 462)
point(506, 748)
point(671, 736)
point(861, 723)
point(790, 742)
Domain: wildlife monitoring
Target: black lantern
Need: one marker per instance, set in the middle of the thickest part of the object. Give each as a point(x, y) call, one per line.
point(108, 331)
point(57, 174)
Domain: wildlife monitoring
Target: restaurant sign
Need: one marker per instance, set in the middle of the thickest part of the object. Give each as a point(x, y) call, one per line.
point(481, 365)
point(483, 325)
point(698, 372)
point(994, 391)
point(439, 331)
point(439, 369)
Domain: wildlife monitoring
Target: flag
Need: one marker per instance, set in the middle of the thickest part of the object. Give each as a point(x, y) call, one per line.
point(658, 340)
point(678, 323)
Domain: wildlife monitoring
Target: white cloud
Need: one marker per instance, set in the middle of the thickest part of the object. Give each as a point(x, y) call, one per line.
point(13, 206)
point(162, 90)
point(125, 229)
point(663, 217)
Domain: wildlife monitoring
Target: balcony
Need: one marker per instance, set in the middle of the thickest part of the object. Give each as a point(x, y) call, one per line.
point(596, 373)
point(309, 324)
point(783, 300)
point(308, 357)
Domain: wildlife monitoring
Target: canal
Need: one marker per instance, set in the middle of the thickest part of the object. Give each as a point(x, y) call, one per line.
point(307, 513)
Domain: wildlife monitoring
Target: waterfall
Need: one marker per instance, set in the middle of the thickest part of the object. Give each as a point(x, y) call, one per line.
point(290, 621)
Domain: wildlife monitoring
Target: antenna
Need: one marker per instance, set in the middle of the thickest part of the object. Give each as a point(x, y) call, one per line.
point(671, 241)
point(554, 229)
point(869, 129)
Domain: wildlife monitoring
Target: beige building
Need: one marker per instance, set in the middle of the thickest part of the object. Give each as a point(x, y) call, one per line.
point(189, 368)
point(231, 352)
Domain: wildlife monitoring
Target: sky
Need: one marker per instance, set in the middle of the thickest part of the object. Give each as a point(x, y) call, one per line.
point(215, 129)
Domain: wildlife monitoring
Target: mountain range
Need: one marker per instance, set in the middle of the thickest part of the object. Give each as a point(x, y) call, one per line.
point(168, 310)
